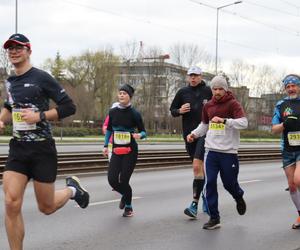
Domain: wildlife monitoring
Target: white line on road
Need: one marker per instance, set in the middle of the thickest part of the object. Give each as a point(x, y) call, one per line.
point(110, 201)
point(243, 182)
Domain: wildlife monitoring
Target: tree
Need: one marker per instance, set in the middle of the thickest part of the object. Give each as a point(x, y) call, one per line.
point(57, 69)
point(93, 77)
point(190, 54)
point(4, 62)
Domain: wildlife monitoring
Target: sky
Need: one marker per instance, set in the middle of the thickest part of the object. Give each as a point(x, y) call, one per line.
point(257, 32)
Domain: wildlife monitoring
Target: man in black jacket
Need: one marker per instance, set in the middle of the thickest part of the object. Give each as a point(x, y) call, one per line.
point(188, 103)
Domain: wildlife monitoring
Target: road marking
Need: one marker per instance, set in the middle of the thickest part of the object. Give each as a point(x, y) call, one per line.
point(110, 201)
point(243, 182)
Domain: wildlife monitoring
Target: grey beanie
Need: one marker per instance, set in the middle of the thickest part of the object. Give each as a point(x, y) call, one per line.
point(219, 82)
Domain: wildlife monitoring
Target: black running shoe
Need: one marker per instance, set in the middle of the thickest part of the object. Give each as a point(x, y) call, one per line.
point(241, 206)
point(122, 203)
point(128, 212)
point(212, 224)
point(82, 197)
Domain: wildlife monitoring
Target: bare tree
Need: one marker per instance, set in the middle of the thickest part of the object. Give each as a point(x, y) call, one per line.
point(4, 62)
point(130, 50)
point(190, 54)
point(260, 79)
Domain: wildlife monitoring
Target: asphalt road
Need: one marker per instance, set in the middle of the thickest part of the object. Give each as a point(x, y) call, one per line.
point(159, 222)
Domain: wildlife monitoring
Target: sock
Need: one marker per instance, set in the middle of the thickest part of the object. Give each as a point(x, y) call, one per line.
point(128, 206)
point(73, 191)
point(197, 188)
point(296, 199)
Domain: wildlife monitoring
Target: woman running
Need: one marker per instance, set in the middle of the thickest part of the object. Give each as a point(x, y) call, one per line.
point(123, 121)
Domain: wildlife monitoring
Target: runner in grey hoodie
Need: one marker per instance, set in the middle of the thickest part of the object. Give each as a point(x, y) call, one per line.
point(222, 118)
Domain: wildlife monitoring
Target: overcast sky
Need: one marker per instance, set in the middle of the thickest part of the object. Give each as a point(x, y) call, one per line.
point(256, 31)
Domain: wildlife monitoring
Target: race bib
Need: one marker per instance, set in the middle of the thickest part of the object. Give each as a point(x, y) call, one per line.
point(122, 138)
point(294, 138)
point(217, 128)
point(19, 124)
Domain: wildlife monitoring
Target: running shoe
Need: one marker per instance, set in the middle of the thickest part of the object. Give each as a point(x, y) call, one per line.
point(212, 224)
point(296, 225)
point(82, 197)
point(128, 212)
point(191, 211)
point(122, 203)
point(241, 206)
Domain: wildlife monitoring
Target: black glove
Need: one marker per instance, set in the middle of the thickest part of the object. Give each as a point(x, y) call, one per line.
point(291, 123)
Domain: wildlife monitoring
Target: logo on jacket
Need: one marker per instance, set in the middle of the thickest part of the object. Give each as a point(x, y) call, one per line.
point(288, 111)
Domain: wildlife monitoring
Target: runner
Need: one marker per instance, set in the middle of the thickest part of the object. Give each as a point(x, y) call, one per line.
point(123, 120)
point(286, 120)
point(32, 152)
point(222, 118)
point(188, 103)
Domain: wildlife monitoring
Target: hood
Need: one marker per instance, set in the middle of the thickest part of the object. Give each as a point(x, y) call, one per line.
point(228, 96)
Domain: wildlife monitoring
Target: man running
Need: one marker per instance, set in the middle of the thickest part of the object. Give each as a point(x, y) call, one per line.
point(188, 103)
point(286, 120)
point(222, 118)
point(32, 151)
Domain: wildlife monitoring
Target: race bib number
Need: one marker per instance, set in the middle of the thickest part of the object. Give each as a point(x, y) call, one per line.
point(122, 138)
point(19, 124)
point(294, 138)
point(217, 128)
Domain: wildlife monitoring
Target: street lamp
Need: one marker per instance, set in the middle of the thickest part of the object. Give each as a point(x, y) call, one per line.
point(16, 16)
point(217, 32)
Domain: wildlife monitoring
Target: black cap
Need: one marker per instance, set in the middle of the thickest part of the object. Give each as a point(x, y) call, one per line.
point(128, 89)
point(19, 39)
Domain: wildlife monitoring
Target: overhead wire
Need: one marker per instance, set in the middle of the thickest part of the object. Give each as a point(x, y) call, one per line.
point(264, 51)
point(291, 4)
point(275, 27)
point(270, 8)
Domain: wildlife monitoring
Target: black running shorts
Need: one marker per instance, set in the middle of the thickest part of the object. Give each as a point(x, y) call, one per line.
point(35, 159)
point(196, 149)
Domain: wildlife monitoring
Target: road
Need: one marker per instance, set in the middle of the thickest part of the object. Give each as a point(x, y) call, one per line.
point(159, 222)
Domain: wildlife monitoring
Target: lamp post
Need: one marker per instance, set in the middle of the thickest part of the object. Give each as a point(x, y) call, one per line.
point(16, 16)
point(217, 32)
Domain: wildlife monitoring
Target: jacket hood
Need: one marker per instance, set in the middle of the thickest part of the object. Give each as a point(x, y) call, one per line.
point(228, 96)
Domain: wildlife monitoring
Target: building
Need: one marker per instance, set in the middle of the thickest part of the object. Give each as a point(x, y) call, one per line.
point(156, 83)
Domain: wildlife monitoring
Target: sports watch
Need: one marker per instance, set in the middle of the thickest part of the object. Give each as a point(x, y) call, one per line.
point(42, 116)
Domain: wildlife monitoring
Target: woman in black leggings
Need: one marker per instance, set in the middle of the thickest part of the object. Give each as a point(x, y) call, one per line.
point(123, 121)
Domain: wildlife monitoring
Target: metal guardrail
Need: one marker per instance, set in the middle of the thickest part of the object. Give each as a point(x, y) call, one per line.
point(94, 162)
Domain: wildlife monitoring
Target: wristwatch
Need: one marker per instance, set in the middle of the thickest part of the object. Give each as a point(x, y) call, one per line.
point(42, 116)
point(225, 120)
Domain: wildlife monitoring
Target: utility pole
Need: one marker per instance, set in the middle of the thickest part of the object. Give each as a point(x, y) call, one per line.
point(16, 17)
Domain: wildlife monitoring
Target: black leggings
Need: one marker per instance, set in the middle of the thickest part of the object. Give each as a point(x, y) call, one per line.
point(119, 172)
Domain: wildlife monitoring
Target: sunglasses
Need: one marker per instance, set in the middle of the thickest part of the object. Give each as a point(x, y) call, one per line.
point(17, 48)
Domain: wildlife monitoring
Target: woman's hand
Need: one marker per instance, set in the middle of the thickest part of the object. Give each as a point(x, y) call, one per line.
point(105, 152)
point(136, 135)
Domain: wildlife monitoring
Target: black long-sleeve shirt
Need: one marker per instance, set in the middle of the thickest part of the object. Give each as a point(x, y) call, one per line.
point(34, 89)
point(197, 96)
point(125, 120)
